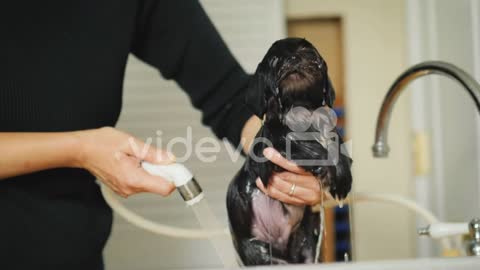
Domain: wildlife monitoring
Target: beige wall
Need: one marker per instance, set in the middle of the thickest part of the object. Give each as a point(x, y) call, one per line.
point(374, 38)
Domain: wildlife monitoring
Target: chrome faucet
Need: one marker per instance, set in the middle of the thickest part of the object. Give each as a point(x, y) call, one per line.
point(380, 148)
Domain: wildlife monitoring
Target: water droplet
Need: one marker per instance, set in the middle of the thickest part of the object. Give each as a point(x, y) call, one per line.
point(339, 202)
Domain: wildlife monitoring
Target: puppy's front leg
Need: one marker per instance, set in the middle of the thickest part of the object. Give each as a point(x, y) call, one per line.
point(303, 242)
point(257, 252)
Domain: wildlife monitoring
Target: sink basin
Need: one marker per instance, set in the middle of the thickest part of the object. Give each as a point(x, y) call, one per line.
point(464, 263)
point(470, 263)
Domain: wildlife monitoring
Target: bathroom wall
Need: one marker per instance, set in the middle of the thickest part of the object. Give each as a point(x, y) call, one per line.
point(152, 104)
point(374, 40)
point(448, 31)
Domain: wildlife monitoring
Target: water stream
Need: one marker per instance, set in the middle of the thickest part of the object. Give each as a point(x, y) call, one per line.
point(221, 242)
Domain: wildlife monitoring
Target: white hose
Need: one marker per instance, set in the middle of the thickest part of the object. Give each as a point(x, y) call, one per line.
point(397, 200)
point(387, 198)
point(177, 232)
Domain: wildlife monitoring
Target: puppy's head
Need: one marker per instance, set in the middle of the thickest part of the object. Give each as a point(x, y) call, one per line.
point(292, 73)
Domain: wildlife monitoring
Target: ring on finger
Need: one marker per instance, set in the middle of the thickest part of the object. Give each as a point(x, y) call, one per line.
point(292, 190)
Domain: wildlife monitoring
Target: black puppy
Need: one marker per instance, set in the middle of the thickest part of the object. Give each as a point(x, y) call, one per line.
point(291, 91)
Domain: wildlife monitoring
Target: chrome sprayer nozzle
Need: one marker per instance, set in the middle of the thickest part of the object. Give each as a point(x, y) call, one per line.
point(187, 186)
point(191, 192)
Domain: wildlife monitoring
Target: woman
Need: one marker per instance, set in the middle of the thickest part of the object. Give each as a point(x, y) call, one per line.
point(61, 80)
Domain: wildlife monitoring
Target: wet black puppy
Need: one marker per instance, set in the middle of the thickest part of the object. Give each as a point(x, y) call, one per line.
point(291, 91)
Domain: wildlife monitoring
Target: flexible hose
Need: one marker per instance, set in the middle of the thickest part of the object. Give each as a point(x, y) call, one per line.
point(387, 198)
point(177, 232)
point(396, 200)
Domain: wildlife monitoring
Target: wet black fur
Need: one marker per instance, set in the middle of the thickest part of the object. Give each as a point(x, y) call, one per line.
point(291, 74)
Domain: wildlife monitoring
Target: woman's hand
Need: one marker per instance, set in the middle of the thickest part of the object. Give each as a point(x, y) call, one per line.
point(115, 158)
point(307, 189)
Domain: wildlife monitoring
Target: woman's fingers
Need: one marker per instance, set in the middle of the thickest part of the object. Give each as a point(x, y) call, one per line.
point(148, 152)
point(274, 193)
point(275, 157)
point(138, 180)
point(306, 181)
point(310, 196)
point(155, 184)
point(114, 157)
point(307, 186)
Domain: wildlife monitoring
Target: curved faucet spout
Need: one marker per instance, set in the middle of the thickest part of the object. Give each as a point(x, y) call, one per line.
point(380, 148)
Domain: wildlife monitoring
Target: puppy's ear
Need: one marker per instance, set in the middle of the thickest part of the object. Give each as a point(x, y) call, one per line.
point(340, 175)
point(264, 170)
point(340, 178)
point(258, 165)
point(255, 97)
point(330, 93)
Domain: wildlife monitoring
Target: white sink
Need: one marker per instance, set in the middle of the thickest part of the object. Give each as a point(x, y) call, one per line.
point(465, 263)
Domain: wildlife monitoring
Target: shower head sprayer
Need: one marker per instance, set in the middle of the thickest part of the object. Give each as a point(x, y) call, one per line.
point(183, 179)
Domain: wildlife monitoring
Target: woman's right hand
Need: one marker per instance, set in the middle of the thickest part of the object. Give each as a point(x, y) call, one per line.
point(115, 158)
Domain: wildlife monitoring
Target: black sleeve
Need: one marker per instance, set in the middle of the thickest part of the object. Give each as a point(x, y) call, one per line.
point(178, 38)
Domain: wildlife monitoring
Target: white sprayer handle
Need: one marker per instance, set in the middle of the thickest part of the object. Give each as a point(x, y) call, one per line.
point(176, 172)
point(439, 230)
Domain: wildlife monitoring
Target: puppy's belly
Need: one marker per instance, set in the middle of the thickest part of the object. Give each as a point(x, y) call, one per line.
point(273, 221)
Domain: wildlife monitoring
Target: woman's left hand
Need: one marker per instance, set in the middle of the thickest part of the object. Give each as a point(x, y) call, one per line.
point(306, 187)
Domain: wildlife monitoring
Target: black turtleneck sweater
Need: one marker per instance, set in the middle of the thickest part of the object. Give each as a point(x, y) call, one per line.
point(61, 69)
